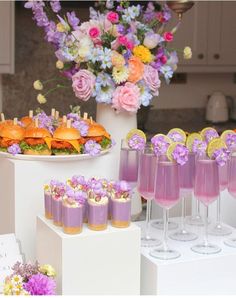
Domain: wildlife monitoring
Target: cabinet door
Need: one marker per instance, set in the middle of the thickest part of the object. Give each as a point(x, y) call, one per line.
point(222, 33)
point(193, 32)
point(6, 36)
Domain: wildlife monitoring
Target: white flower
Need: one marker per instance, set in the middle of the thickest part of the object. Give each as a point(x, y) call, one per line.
point(41, 98)
point(151, 40)
point(38, 85)
point(59, 64)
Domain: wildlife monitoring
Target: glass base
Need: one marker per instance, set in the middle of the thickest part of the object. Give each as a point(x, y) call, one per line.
point(159, 224)
point(195, 220)
point(230, 242)
point(164, 254)
point(183, 235)
point(206, 249)
point(220, 230)
point(150, 242)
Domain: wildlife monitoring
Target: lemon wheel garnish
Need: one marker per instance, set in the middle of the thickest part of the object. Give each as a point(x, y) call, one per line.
point(226, 133)
point(179, 131)
point(171, 149)
point(167, 139)
point(191, 138)
point(214, 145)
point(204, 130)
point(135, 131)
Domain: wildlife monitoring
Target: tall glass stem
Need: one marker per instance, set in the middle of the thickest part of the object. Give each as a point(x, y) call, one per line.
point(148, 215)
point(183, 213)
point(165, 219)
point(206, 226)
point(218, 219)
point(198, 208)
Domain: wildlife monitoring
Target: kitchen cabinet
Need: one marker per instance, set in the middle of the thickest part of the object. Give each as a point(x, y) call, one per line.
point(209, 28)
point(7, 36)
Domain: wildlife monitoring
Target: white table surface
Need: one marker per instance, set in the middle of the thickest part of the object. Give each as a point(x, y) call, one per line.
point(191, 273)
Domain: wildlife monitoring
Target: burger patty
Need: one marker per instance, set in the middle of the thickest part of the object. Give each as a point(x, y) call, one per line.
point(7, 142)
point(61, 145)
point(34, 141)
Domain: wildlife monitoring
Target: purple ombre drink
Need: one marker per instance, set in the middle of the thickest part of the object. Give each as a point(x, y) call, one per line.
point(72, 218)
point(147, 167)
point(97, 215)
point(167, 190)
point(223, 176)
point(48, 204)
point(129, 165)
point(121, 212)
point(232, 176)
point(207, 187)
point(187, 174)
point(57, 211)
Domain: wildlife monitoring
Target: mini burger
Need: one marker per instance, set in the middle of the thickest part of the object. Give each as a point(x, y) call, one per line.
point(66, 141)
point(10, 134)
point(35, 141)
point(99, 134)
point(27, 120)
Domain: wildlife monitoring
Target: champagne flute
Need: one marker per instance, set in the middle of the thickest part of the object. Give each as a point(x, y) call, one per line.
point(166, 195)
point(145, 186)
point(232, 190)
point(220, 229)
point(186, 180)
point(206, 190)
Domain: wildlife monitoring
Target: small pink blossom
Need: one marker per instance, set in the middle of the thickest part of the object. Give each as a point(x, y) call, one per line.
point(83, 83)
point(113, 17)
point(151, 78)
point(163, 59)
point(168, 36)
point(126, 98)
point(94, 32)
point(123, 40)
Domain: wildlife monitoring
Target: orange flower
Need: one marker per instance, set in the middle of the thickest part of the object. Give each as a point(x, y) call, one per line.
point(136, 69)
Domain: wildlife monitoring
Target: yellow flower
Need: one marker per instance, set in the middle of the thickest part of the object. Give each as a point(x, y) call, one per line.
point(7, 289)
point(16, 279)
point(38, 85)
point(62, 27)
point(120, 75)
point(143, 54)
point(59, 64)
point(41, 98)
point(187, 53)
point(48, 270)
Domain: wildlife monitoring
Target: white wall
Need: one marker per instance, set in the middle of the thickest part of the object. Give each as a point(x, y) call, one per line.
point(194, 93)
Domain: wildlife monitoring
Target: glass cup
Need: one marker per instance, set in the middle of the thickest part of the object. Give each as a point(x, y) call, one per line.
point(166, 195)
point(232, 190)
point(206, 190)
point(129, 159)
point(145, 186)
point(219, 229)
point(186, 180)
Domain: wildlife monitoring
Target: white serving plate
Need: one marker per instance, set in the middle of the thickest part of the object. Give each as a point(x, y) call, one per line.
point(52, 158)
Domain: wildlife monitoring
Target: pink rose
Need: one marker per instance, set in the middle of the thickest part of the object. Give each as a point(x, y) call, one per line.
point(126, 98)
point(83, 83)
point(94, 32)
point(123, 40)
point(163, 59)
point(151, 78)
point(113, 17)
point(168, 36)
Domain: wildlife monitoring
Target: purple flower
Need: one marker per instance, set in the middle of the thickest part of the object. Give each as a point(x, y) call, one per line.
point(73, 116)
point(199, 147)
point(52, 35)
point(92, 148)
point(137, 142)
point(81, 197)
point(78, 180)
point(25, 270)
point(175, 136)
point(45, 121)
point(73, 20)
point(82, 126)
point(221, 156)
point(40, 284)
point(230, 140)
point(14, 149)
point(160, 145)
point(122, 189)
point(55, 5)
point(210, 135)
point(121, 29)
point(180, 154)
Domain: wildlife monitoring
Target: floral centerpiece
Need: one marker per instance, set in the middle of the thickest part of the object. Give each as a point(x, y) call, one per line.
point(28, 279)
point(118, 57)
